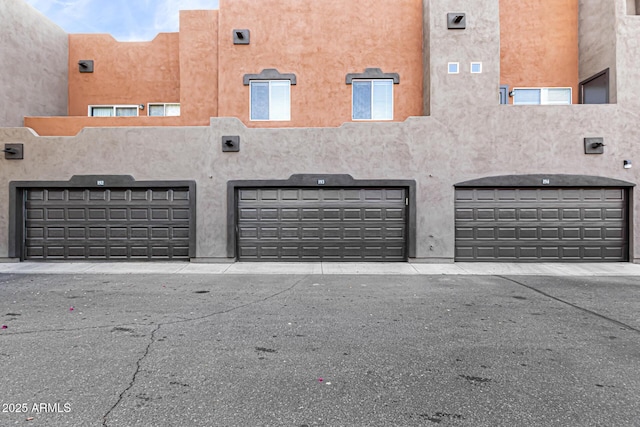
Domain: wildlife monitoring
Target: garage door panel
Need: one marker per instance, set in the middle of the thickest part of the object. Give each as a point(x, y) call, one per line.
point(483, 214)
point(528, 233)
point(486, 233)
point(506, 214)
point(101, 224)
point(464, 233)
point(571, 214)
point(323, 224)
point(614, 214)
point(464, 214)
point(550, 224)
point(506, 233)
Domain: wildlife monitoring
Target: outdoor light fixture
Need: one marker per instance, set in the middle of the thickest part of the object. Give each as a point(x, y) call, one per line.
point(13, 151)
point(142, 106)
point(594, 145)
point(456, 21)
point(627, 164)
point(230, 144)
point(85, 65)
point(241, 36)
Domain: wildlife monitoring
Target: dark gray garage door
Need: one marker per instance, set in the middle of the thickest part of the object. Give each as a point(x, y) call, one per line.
point(541, 224)
point(348, 224)
point(107, 224)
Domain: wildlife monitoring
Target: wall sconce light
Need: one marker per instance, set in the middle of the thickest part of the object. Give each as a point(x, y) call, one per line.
point(13, 151)
point(230, 144)
point(456, 21)
point(241, 36)
point(142, 106)
point(627, 164)
point(85, 65)
point(512, 93)
point(594, 145)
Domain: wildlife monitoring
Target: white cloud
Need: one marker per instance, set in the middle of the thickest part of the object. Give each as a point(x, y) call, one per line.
point(124, 19)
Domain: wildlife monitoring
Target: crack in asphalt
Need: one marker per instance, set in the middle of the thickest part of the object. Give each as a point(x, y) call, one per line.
point(173, 322)
point(121, 396)
point(586, 310)
point(135, 375)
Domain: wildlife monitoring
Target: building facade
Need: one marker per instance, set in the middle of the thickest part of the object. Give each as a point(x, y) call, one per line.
point(422, 131)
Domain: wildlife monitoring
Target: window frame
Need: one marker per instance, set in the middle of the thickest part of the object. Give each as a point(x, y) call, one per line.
point(270, 109)
point(544, 95)
point(164, 106)
point(114, 109)
point(372, 81)
point(457, 68)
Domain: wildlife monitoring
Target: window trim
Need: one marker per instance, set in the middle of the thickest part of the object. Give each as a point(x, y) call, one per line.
point(457, 71)
point(164, 105)
point(372, 80)
point(270, 81)
point(544, 95)
point(114, 107)
point(479, 63)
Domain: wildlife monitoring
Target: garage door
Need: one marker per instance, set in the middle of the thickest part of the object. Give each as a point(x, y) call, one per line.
point(541, 224)
point(342, 224)
point(107, 224)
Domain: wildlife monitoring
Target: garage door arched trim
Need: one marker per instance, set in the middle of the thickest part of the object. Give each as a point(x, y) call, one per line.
point(167, 203)
point(550, 180)
point(533, 218)
point(320, 181)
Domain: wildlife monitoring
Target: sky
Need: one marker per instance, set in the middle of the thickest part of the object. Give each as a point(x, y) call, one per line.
point(126, 20)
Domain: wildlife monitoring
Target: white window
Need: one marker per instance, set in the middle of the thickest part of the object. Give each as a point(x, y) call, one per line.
point(542, 96)
point(113, 110)
point(476, 67)
point(372, 99)
point(453, 67)
point(270, 100)
point(164, 110)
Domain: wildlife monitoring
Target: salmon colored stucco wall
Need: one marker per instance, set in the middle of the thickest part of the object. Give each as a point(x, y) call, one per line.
point(124, 72)
point(539, 44)
point(320, 42)
point(198, 66)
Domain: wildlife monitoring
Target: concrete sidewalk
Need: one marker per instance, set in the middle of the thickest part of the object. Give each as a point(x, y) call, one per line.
point(325, 268)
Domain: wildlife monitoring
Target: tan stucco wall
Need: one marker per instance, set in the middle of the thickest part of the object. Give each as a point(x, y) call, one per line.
point(124, 72)
point(539, 43)
point(320, 42)
point(597, 42)
point(33, 64)
point(486, 141)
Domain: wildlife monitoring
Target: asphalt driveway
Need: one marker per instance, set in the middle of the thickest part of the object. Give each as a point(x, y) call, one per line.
point(319, 350)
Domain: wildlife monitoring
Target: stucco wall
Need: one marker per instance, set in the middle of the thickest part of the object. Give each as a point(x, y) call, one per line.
point(479, 42)
point(198, 66)
point(628, 60)
point(321, 42)
point(597, 41)
point(33, 64)
point(539, 44)
point(124, 72)
point(486, 141)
